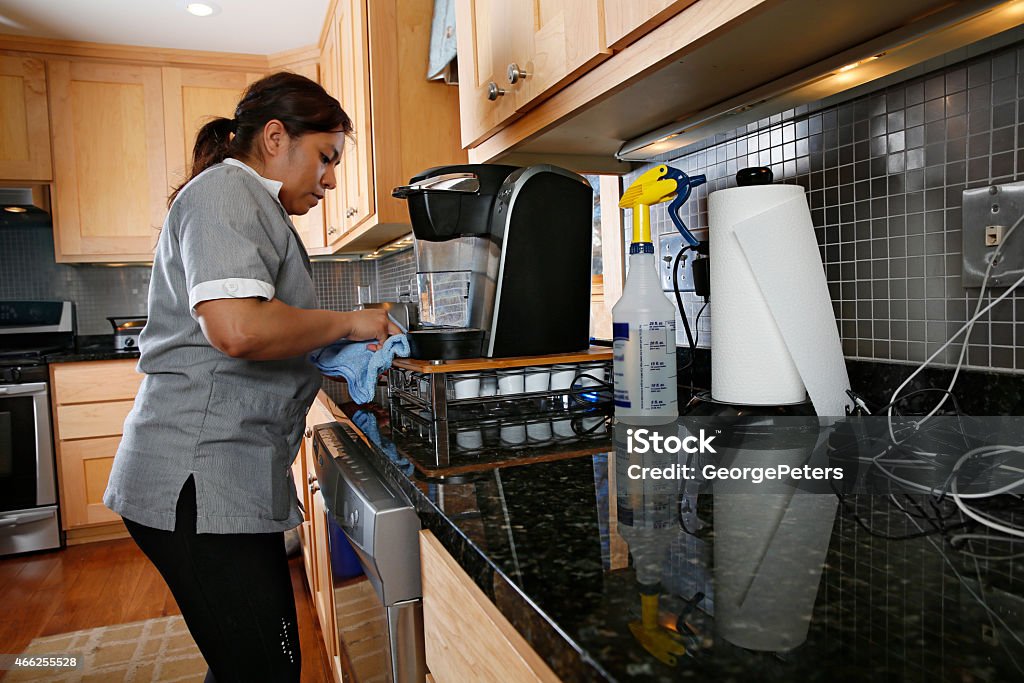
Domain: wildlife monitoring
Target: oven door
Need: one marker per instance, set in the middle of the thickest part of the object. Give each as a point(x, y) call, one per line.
point(26, 447)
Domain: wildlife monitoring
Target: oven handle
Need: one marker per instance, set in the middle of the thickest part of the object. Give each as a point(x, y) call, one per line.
point(24, 518)
point(23, 389)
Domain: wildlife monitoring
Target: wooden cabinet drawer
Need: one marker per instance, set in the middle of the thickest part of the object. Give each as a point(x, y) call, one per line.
point(104, 380)
point(92, 419)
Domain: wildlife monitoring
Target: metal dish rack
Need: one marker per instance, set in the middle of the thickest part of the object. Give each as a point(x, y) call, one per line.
point(424, 405)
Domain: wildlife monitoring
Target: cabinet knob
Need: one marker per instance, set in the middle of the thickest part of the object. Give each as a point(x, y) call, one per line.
point(308, 433)
point(310, 478)
point(314, 487)
point(351, 212)
point(515, 74)
point(332, 230)
point(494, 92)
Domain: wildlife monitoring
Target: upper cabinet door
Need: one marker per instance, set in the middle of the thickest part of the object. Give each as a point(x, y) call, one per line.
point(109, 160)
point(553, 42)
point(484, 37)
point(24, 120)
point(513, 54)
point(624, 22)
point(354, 70)
point(192, 98)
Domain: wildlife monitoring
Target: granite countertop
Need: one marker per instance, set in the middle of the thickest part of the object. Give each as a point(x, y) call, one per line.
point(762, 587)
point(91, 347)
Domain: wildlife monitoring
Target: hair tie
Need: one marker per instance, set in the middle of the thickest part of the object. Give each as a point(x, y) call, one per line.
point(234, 125)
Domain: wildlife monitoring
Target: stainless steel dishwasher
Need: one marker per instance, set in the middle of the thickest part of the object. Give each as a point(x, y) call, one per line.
point(383, 529)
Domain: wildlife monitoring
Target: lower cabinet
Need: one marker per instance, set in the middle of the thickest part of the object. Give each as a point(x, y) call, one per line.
point(90, 401)
point(313, 535)
point(467, 638)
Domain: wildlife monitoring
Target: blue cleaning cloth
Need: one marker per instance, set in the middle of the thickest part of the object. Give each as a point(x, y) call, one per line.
point(359, 365)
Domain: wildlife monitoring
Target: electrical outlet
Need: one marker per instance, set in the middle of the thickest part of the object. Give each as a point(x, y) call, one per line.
point(669, 244)
point(988, 213)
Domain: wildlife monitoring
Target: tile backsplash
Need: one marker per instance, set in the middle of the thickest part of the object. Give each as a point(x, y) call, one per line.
point(28, 270)
point(884, 175)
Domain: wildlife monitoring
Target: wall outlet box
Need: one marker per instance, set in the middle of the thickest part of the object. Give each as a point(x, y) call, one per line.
point(669, 244)
point(988, 215)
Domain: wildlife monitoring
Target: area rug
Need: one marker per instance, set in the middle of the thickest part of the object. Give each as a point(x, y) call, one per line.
point(158, 650)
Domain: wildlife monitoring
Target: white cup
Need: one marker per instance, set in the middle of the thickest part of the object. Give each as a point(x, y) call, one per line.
point(562, 376)
point(513, 434)
point(466, 387)
point(536, 379)
point(510, 382)
point(469, 440)
point(539, 431)
point(595, 377)
point(563, 428)
point(488, 385)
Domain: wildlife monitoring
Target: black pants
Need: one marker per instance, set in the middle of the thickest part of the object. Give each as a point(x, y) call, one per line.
point(235, 594)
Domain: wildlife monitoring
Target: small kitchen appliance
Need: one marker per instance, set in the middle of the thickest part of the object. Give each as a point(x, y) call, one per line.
point(126, 332)
point(29, 330)
point(503, 260)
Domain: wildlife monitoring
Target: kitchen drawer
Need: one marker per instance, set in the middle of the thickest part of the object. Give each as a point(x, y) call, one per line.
point(92, 381)
point(92, 419)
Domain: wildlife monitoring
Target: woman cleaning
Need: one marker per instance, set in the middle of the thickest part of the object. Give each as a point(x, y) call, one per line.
point(202, 477)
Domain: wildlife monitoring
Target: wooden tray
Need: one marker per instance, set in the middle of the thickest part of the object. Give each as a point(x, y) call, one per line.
point(594, 353)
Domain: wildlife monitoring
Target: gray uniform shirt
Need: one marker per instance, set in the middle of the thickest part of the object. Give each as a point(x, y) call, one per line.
point(233, 424)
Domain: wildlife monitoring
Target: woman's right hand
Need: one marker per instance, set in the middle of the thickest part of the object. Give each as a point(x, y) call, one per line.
point(370, 324)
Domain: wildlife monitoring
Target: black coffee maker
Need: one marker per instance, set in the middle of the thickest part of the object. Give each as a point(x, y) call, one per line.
point(503, 260)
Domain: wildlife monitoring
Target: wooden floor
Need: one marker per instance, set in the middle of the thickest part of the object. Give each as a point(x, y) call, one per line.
point(112, 582)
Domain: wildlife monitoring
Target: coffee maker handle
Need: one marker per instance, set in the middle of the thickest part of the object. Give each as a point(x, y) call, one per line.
point(449, 182)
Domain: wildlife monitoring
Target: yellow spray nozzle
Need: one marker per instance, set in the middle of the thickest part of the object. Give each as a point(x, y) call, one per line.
point(652, 187)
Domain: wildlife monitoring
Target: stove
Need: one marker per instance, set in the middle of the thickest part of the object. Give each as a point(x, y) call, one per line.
point(29, 330)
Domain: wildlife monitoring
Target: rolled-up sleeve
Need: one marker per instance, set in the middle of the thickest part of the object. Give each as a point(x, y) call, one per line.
point(227, 251)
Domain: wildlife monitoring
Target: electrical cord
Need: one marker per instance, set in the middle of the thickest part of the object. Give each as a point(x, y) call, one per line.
point(967, 327)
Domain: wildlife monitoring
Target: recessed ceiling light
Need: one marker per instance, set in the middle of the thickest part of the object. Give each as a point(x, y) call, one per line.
point(15, 209)
point(201, 9)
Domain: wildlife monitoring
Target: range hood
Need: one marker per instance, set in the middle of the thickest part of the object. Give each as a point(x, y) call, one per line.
point(25, 206)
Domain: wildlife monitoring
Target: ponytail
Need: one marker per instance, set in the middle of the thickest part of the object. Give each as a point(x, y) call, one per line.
point(302, 106)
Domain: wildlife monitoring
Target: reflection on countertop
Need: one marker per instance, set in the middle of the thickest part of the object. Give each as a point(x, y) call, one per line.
point(614, 578)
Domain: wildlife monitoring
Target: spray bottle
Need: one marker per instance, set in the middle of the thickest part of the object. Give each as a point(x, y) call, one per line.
point(644, 319)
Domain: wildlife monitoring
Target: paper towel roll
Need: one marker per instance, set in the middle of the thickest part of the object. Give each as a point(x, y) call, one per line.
point(775, 334)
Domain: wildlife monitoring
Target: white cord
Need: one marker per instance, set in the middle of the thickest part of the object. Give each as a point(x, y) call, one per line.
point(982, 451)
point(958, 497)
point(966, 328)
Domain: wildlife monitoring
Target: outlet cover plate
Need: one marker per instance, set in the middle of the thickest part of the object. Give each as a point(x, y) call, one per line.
point(669, 244)
point(984, 207)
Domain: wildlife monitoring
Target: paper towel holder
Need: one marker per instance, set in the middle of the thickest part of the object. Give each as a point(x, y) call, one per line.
point(754, 175)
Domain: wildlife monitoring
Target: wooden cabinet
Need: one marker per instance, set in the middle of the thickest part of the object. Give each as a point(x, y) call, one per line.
point(191, 98)
point(374, 60)
point(24, 120)
point(90, 402)
point(466, 637)
point(109, 160)
point(520, 52)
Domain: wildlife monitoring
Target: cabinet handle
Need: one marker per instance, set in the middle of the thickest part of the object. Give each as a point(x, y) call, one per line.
point(314, 487)
point(494, 92)
point(310, 478)
point(515, 73)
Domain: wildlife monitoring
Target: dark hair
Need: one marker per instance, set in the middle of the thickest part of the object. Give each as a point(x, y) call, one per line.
point(302, 105)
